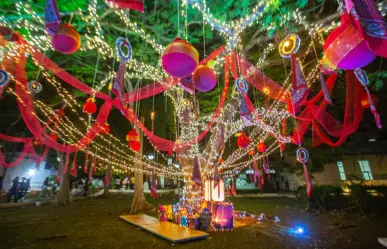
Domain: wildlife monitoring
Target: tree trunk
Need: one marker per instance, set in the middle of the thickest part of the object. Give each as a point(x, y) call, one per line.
point(139, 203)
point(63, 196)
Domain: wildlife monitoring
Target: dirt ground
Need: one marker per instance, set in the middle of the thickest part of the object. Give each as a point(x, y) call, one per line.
point(94, 223)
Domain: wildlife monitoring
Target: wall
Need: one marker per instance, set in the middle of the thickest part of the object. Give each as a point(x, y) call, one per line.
point(27, 169)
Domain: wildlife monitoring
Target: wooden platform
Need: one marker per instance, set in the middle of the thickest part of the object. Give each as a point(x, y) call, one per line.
point(166, 230)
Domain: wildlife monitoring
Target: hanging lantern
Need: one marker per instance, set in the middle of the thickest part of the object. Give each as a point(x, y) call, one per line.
point(365, 102)
point(34, 86)
point(90, 107)
point(66, 39)
point(204, 79)
point(127, 4)
point(251, 152)
point(214, 191)
point(169, 152)
point(105, 128)
point(132, 136)
point(243, 141)
point(180, 59)
point(135, 146)
point(346, 48)
point(261, 147)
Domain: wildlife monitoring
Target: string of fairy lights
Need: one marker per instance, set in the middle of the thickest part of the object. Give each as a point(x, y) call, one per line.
point(266, 119)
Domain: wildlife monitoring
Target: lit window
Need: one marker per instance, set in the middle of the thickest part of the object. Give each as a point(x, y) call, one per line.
point(365, 169)
point(341, 170)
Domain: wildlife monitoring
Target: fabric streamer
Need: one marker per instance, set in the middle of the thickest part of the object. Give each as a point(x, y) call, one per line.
point(300, 89)
point(303, 157)
point(73, 170)
point(51, 17)
point(233, 188)
point(265, 167)
point(325, 90)
point(153, 187)
point(196, 176)
point(86, 163)
point(363, 79)
point(373, 25)
point(4, 81)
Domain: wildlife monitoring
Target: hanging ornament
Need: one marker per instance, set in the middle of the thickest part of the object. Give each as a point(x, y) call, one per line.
point(196, 176)
point(135, 146)
point(4, 81)
point(170, 152)
point(90, 107)
point(345, 47)
point(243, 88)
point(204, 79)
point(303, 157)
point(180, 59)
point(288, 48)
point(363, 79)
point(242, 85)
point(34, 87)
point(105, 128)
point(324, 87)
point(133, 140)
point(66, 39)
point(127, 4)
point(251, 152)
point(243, 141)
point(120, 43)
point(261, 147)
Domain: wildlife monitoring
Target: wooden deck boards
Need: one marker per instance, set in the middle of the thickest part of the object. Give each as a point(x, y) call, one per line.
point(166, 230)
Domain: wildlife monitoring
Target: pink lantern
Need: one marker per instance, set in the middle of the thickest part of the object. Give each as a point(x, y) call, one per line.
point(346, 48)
point(127, 4)
point(204, 79)
point(180, 59)
point(66, 39)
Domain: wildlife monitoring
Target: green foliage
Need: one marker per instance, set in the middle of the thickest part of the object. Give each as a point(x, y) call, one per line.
point(323, 197)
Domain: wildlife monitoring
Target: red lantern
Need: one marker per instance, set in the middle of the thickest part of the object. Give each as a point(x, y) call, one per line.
point(365, 102)
point(66, 39)
point(132, 136)
point(90, 107)
point(135, 146)
point(169, 152)
point(346, 48)
point(105, 128)
point(204, 79)
point(243, 141)
point(261, 147)
point(54, 136)
point(180, 59)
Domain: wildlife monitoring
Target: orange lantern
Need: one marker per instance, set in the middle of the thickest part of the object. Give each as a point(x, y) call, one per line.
point(251, 152)
point(66, 39)
point(261, 147)
point(132, 136)
point(180, 59)
point(90, 107)
point(365, 102)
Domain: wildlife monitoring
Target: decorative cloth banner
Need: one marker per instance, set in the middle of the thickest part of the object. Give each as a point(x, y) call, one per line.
point(127, 4)
point(73, 170)
point(196, 176)
point(300, 90)
point(325, 90)
point(153, 188)
point(373, 25)
point(233, 188)
point(51, 17)
point(265, 167)
point(243, 88)
point(363, 79)
point(303, 157)
point(86, 163)
point(4, 81)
